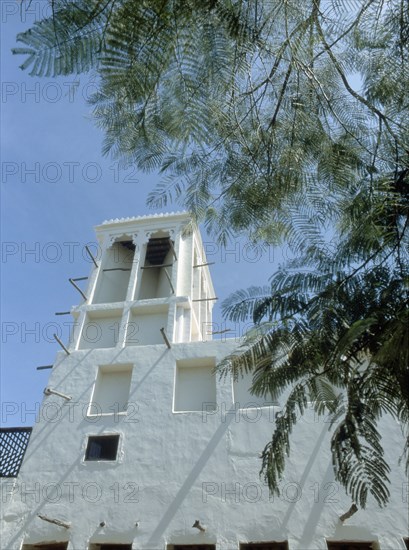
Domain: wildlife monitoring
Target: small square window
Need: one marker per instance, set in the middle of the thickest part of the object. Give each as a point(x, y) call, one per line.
point(111, 390)
point(195, 385)
point(102, 447)
point(270, 545)
point(244, 398)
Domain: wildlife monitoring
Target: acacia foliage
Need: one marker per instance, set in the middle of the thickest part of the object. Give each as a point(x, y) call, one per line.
point(240, 104)
point(286, 120)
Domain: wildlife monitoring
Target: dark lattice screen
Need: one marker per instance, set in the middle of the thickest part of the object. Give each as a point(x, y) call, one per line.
point(13, 444)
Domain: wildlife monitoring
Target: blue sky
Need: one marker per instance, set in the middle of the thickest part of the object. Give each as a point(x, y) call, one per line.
point(55, 186)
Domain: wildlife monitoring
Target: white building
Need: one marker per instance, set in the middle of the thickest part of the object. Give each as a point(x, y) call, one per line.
point(137, 439)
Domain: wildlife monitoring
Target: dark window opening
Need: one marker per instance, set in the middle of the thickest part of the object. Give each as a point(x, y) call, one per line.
point(111, 546)
point(46, 546)
point(351, 545)
point(102, 447)
point(157, 250)
point(271, 545)
point(129, 245)
point(406, 541)
point(113, 279)
point(192, 547)
point(156, 278)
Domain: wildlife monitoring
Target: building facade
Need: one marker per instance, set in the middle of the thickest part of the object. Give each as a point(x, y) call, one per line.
point(138, 444)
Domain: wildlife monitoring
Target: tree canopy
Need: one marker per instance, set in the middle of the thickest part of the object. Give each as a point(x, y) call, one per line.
point(286, 120)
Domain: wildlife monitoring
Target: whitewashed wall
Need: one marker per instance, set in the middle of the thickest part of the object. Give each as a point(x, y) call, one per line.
point(174, 468)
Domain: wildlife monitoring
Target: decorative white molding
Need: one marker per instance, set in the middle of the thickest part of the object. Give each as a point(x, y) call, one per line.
point(135, 240)
point(115, 237)
point(145, 217)
point(150, 233)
